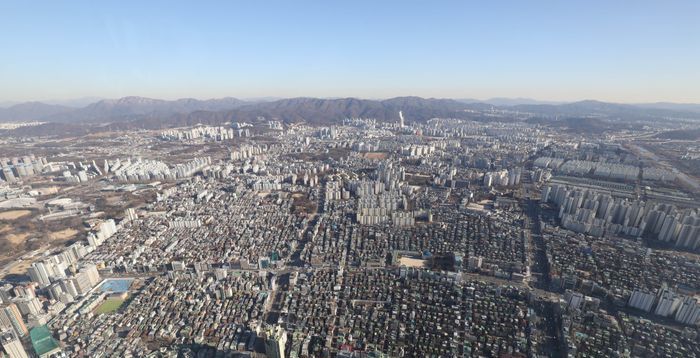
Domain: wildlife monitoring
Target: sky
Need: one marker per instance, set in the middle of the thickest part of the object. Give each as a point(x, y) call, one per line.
point(612, 50)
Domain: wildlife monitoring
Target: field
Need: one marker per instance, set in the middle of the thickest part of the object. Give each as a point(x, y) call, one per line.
point(14, 244)
point(16, 239)
point(62, 234)
point(411, 262)
point(109, 305)
point(376, 155)
point(13, 214)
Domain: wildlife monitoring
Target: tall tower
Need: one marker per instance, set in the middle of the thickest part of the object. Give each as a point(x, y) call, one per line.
point(401, 124)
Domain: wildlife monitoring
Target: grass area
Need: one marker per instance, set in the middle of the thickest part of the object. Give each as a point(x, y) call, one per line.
point(14, 214)
point(109, 305)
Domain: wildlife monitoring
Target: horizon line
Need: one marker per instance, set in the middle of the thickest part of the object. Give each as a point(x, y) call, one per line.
point(96, 99)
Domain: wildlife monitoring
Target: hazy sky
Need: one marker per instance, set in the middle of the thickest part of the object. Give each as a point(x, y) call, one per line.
point(614, 50)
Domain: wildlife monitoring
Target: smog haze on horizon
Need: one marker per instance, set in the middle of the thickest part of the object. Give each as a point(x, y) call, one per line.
point(627, 52)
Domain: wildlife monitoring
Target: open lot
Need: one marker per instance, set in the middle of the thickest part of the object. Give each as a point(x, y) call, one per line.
point(15, 239)
point(411, 262)
point(376, 155)
point(62, 234)
point(14, 214)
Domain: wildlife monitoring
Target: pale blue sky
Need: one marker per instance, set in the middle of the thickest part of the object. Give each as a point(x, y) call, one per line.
point(625, 51)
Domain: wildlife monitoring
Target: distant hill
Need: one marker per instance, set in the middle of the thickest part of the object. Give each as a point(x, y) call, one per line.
point(604, 109)
point(75, 102)
point(31, 111)
point(684, 107)
point(133, 108)
point(6, 104)
point(140, 112)
point(507, 102)
point(55, 129)
point(156, 113)
point(315, 110)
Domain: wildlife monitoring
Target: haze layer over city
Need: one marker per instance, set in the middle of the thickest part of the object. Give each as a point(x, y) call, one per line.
point(350, 180)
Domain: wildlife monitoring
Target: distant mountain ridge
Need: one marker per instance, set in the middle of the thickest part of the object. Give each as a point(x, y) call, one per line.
point(31, 111)
point(506, 102)
point(132, 108)
point(315, 110)
point(158, 113)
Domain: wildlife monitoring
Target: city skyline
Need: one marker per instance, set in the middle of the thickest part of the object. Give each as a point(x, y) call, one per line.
point(546, 51)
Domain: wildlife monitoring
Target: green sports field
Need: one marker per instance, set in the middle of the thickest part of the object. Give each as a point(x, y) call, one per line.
point(109, 305)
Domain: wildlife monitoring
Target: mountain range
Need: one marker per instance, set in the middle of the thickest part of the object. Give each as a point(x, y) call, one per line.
point(140, 112)
point(31, 111)
point(505, 102)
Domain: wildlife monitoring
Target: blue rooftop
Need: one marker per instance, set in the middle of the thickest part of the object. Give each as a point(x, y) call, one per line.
point(117, 285)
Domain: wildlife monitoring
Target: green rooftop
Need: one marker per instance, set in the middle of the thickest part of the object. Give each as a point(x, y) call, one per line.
point(42, 341)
